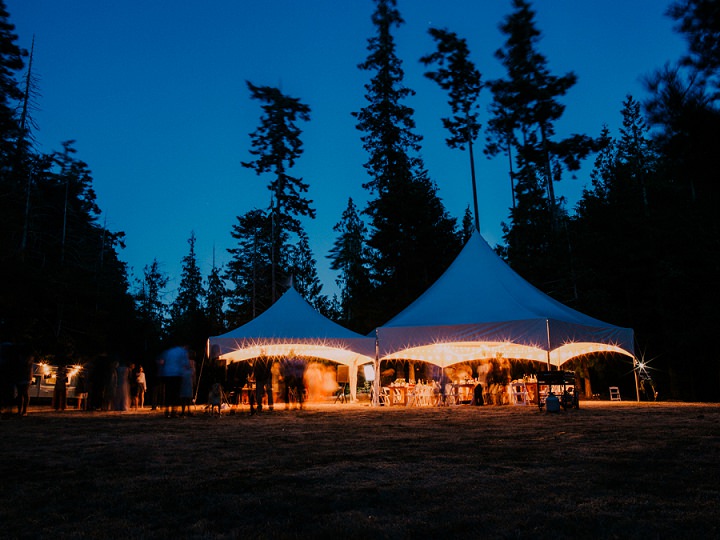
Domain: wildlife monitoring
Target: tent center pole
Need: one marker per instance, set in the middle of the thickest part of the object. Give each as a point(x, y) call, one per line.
point(549, 346)
point(376, 382)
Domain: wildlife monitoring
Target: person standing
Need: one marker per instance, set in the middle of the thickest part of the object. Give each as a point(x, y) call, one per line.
point(215, 398)
point(111, 384)
point(141, 382)
point(263, 382)
point(276, 380)
point(60, 389)
point(158, 387)
point(81, 389)
point(93, 370)
point(122, 393)
point(255, 395)
point(22, 361)
point(187, 384)
point(132, 386)
point(294, 382)
point(6, 378)
point(174, 360)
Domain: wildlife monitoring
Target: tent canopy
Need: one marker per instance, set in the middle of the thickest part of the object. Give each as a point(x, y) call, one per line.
point(480, 308)
point(293, 327)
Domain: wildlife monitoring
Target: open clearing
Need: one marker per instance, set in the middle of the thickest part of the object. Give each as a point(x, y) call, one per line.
point(607, 470)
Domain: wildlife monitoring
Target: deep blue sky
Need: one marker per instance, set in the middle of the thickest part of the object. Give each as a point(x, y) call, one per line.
point(154, 94)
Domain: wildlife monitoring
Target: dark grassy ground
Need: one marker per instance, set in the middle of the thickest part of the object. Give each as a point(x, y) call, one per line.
point(608, 470)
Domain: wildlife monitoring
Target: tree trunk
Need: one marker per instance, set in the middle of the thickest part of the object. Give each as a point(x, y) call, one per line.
point(474, 184)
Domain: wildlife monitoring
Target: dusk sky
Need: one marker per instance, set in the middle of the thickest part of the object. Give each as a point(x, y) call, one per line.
point(154, 94)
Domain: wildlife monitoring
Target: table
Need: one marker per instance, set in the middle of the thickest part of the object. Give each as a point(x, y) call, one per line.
point(561, 383)
point(340, 393)
point(398, 394)
point(245, 395)
point(464, 392)
point(425, 396)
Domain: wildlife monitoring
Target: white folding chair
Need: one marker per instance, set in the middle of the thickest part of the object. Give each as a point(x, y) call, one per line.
point(519, 394)
point(412, 397)
point(615, 394)
point(424, 395)
point(451, 395)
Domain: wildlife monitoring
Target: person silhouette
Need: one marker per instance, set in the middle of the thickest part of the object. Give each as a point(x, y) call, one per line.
point(60, 389)
point(141, 382)
point(263, 382)
point(174, 362)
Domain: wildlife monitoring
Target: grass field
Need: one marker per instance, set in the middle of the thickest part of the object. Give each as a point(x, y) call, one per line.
point(607, 470)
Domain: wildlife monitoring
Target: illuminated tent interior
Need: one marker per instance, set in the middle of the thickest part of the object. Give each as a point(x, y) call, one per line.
point(292, 327)
point(481, 309)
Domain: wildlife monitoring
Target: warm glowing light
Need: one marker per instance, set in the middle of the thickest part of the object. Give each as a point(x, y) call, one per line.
point(248, 350)
point(570, 350)
point(447, 354)
point(73, 370)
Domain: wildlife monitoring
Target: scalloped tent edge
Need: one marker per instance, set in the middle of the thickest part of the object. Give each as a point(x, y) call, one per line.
point(292, 327)
point(480, 308)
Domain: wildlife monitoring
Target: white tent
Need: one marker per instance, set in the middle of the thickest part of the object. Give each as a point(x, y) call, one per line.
point(292, 327)
point(480, 308)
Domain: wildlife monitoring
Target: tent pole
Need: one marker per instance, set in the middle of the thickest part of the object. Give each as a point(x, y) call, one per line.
point(376, 382)
point(197, 387)
point(547, 329)
point(353, 380)
point(637, 383)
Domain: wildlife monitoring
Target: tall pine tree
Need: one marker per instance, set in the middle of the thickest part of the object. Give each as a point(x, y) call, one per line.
point(412, 238)
point(457, 75)
point(11, 63)
point(188, 323)
point(215, 300)
point(276, 145)
point(526, 108)
point(699, 22)
point(63, 288)
point(349, 257)
point(303, 271)
point(249, 270)
point(151, 306)
point(612, 217)
point(683, 112)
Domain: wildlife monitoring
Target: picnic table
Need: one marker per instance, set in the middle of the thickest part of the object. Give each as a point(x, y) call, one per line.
point(561, 384)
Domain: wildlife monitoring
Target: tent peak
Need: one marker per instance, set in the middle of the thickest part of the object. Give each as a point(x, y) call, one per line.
point(481, 299)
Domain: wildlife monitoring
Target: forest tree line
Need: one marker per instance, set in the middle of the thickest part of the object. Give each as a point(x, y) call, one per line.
point(640, 249)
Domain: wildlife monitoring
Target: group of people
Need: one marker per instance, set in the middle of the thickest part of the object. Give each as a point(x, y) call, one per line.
point(111, 383)
point(118, 387)
point(105, 383)
point(266, 380)
point(131, 387)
